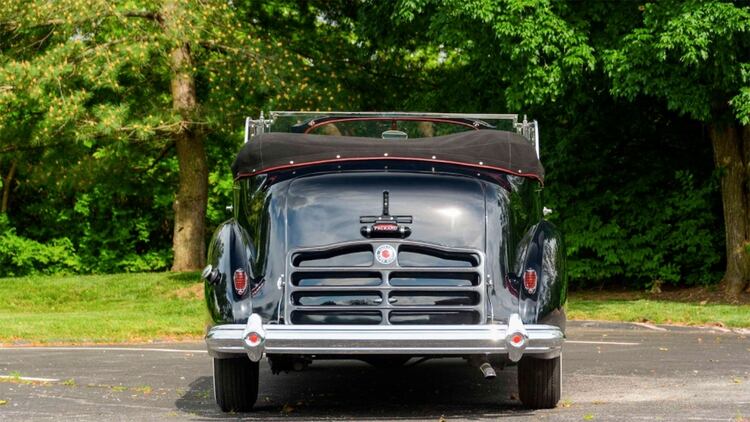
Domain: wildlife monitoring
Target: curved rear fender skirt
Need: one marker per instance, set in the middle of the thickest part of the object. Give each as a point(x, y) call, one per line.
point(230, 249)
point(544, 252)
point(261, 207)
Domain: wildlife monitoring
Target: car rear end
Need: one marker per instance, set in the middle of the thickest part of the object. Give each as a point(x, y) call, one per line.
point(384, 259)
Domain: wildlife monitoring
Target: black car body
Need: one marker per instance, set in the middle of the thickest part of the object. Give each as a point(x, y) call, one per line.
point(386, 248)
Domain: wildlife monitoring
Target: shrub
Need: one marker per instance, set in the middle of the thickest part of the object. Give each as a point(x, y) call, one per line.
point(22, 256)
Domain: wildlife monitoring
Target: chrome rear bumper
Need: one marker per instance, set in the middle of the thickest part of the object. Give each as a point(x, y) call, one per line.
point(513, 339)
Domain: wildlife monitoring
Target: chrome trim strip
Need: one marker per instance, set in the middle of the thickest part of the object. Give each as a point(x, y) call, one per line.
point(481, 116)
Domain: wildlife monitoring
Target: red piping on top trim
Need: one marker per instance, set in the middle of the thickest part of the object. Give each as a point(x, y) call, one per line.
point(339, 160)
point(411, 119)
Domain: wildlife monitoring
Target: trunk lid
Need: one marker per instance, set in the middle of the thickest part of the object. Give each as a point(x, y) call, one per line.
point(445, 210)
point(339, 276)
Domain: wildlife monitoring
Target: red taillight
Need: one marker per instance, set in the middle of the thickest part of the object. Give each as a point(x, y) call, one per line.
point(529, 280)
point(516, 339)
point(240, 281)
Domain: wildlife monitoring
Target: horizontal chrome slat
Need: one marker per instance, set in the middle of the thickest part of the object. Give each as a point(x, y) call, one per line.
point(369, 308)
point(385, 287)
point(374, 269)
point(358, 280)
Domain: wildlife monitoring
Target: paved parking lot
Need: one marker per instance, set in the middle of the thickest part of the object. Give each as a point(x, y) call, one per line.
point(611, 372)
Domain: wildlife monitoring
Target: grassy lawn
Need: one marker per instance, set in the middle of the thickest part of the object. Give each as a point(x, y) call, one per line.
point(107, 308)
point(657, 311)
point(164, 306)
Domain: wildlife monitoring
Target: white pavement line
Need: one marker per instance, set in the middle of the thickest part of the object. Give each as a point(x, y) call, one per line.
point(614, 343)
point(12, 377)
point(649, 326)
point(116, 349)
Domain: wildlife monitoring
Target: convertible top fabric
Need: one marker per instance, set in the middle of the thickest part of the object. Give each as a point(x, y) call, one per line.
point(495, 150)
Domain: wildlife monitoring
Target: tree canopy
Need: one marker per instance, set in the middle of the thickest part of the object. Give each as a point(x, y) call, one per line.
point(121, 86)
point(118, 120)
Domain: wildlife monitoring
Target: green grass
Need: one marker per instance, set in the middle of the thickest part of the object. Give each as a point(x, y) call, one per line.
point(162, 306)
point(107, 308)
point(659, 312)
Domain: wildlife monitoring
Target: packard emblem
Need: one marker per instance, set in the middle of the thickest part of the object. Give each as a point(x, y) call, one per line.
point(385, 254)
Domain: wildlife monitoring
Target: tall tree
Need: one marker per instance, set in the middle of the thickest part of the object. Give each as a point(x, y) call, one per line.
point(192, 194)
point(695, 55)
point(167, 73)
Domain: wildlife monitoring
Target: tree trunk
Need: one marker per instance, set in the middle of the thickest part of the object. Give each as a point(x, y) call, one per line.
point(6, 188)
point(188, 241)
point(730, 156)
point(746, 156)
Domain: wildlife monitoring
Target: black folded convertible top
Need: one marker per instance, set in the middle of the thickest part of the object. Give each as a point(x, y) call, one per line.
point(496, 150)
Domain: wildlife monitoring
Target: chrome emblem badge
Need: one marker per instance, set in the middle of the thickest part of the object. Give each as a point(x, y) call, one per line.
point(385, 254)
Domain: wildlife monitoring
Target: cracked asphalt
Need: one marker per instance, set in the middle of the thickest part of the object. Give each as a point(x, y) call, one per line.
point(611, 372)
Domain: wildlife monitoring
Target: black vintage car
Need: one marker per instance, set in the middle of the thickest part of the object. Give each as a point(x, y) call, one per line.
point(385, 237)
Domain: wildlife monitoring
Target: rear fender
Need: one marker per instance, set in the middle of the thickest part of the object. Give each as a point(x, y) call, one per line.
point(230, 249)
point(542, 250)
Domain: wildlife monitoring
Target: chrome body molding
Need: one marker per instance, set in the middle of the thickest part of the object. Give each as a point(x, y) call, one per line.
point(544, 341)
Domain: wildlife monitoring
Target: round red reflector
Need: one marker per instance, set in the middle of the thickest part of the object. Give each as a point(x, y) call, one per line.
point(516, 339)
point(253, 338)
point(240, 281)
point(529, 280)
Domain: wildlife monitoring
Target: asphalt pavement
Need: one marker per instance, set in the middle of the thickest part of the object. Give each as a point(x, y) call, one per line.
point(611, 372)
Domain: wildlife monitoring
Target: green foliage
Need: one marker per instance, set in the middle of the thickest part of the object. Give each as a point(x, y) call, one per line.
point(101, 69)
point(113, 208)
point(641, 236)
point(694, 54)
point(626, 219)
point(21, 256)
point(526, 47)
point(86, 113)
point(637, 202)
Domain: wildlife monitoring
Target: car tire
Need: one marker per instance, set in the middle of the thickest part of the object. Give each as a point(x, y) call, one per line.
point(235, 384)
point(540, 382)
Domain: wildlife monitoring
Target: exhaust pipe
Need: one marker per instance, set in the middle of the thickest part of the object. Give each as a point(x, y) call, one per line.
point(487, 371)
point(484, 365)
